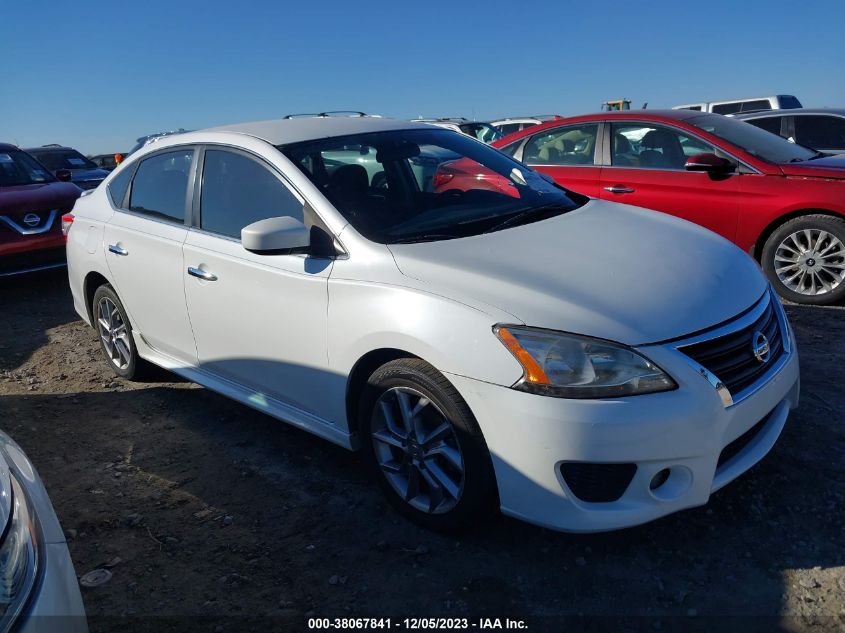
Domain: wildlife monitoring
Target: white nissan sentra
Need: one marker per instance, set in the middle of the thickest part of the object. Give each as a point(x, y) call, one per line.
point(486, 337)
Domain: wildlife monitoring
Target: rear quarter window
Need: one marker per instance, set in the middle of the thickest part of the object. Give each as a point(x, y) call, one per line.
point(118, 186)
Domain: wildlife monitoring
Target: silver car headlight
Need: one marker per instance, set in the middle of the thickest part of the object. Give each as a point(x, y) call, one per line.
point(572, 366)
point(18, 557)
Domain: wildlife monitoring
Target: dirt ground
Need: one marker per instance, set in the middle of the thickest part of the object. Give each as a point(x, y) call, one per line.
point(214, 517)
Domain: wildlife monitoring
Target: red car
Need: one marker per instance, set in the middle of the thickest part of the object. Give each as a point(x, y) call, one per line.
point(32, 205)
point(781, 202)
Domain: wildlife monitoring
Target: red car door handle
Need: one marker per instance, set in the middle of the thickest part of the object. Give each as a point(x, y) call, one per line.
point(619, 189)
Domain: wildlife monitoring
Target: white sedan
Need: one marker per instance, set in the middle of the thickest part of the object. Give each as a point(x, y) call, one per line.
point(486, 337)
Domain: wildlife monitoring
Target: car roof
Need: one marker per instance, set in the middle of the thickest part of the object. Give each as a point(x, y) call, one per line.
point(295, 130)
point(789, 112)
point(46, 148)
point(8, 147)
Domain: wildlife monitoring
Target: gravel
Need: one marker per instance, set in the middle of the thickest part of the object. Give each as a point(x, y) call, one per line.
point(308, 532)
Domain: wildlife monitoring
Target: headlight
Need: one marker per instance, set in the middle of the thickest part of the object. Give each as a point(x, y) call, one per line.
point(18, 557)
point(571, 366)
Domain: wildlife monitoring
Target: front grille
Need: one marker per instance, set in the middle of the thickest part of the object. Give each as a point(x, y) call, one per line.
point(731, 358)
point(597, 483)
point(32, 259)
point(734, 448)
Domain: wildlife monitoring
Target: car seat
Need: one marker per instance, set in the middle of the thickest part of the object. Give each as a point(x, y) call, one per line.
point(663, 150)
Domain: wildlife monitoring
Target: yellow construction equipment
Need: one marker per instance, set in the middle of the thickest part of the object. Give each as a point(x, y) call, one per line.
point(619, 104)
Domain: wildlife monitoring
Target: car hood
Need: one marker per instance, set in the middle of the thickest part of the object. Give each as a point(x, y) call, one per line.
point(606, 270)
point(38, 197)
point(826, 167)
point(88, 174)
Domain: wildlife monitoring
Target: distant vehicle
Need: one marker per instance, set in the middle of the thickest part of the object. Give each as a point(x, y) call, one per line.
point(84, 173)
point(617, 105)
point(484, 132)
point(40, 588)
point(149, 138)
point(106, 161)
point(32, 204)
point(735, 106)
point(780, 202)
point(822, 129)
point(515, 124)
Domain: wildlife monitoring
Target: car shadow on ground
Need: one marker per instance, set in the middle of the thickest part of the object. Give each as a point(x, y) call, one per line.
point(30, 306)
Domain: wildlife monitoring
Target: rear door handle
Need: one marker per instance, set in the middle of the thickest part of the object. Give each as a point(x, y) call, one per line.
point(619, 189)
point(201, 274)
point(117, 250)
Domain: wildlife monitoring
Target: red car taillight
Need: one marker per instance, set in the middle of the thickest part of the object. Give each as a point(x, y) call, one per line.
point(67, 221)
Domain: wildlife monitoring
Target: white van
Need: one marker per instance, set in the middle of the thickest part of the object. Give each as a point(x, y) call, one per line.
point(776, 102)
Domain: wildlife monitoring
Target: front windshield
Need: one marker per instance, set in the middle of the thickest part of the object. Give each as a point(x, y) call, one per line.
point(56, 159)
point(426, 185)
point(482, 131)
point(757, 142)
point(19, 168)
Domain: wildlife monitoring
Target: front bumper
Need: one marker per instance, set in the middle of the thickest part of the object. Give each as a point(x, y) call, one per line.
point(684, 431)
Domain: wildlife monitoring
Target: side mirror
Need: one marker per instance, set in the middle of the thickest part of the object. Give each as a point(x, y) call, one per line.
point(63, 175)
point(710, 163)
point(274, 235)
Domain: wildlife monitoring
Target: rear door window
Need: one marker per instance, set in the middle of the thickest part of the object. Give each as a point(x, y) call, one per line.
point(570, 145)
point(160, 186)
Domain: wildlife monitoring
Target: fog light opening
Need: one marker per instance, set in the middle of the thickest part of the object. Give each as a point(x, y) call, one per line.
point(659, 479)
point(670, 483)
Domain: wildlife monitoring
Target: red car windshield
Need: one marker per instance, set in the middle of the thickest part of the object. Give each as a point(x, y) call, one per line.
point(426, 185)
point(764, 145)
point(19, 168)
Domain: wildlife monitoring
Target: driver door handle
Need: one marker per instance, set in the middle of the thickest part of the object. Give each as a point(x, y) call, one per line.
point(201, 274)
point(117, 250)
point(619, 189)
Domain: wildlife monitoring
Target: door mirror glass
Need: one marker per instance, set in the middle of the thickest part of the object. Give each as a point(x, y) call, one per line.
point(63, 175)
point(274, 235)
point(710, 163)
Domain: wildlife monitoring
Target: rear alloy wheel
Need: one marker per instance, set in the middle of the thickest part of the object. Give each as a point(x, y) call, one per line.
point(425, 446)
point(115, 333)
point(805, 259)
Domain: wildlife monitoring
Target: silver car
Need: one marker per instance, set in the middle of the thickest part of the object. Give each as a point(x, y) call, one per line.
point(38, 587)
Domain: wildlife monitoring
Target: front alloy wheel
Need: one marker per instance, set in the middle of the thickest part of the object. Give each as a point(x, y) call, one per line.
point(417, 450)
point(805, 259)
point(425, 446)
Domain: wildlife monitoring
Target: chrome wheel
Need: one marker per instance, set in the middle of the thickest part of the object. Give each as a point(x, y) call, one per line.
point(113, 333)
point(417, 450)
point(810, 262)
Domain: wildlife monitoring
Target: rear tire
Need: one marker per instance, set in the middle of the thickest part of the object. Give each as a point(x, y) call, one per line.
point(805, 260)
point(425, 447)
point(115, 333)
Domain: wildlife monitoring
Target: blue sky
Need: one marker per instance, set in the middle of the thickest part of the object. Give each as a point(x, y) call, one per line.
point(96, 75)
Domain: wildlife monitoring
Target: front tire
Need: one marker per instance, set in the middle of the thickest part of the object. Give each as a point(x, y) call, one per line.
point(115, 333)
point(805, 260)
point(425, 447)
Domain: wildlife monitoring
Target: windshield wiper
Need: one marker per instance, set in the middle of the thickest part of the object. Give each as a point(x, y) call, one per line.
point(521, 216)
point(424, 237)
